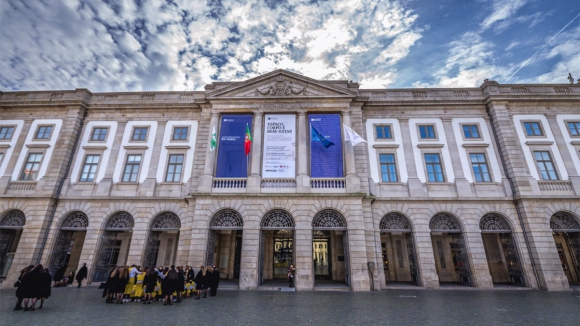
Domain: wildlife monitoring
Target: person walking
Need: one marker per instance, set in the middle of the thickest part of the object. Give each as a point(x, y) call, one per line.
point(201, 280)
point(21, 289)
point(150, 282)
point(291, 275)
point(81, 275)
point(215, 281)
point(46, 284)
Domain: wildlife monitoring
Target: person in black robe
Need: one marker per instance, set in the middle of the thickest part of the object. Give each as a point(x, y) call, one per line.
point(59, 275)
point(215, 281)
point(46, 284)
point(150, 282)
point(169, 285)
point(109, 289)
point(201, 280)
point(82, 274)
point(20, 290)
point(33, 286)
point(180, 285)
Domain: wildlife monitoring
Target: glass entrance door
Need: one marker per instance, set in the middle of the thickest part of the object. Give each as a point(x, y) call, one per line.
point(322, 261)
point(282, 256)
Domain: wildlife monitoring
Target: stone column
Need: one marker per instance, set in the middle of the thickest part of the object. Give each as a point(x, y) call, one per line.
point(416, 188)
point(461, 183)
point(303, 252)
point(480, 265)
point(352, 180)
point(303, 179)
point(563, 147)
point(250, 259)
point(425, 256)
point(255, 178)
point(205, 182)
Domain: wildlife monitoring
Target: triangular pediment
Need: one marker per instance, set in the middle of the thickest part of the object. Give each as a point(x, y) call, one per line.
point(281, 83)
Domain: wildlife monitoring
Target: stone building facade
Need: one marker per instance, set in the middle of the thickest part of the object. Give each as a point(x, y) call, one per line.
point(474, 186)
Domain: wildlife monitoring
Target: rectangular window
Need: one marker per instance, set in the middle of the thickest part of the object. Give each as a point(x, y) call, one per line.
point(388, 167)
point(573, 127)
point(31, 167)
point(383, 132)
point(90, 168)
point(174, 168)
point(533, 129)
point(470, 131)
point(479, 166)
point(434, 168)
point(545, 165)
point(132, 168)
point(99, 134)
point(1, 157)
point(427, 131)
point(140, 134)
point(6, 132)
point(43, 132)
point(180, 133)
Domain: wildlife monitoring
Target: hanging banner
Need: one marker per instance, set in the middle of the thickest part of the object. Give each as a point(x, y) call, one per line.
point(325, 146)
point(232, 161)
point(279, 159)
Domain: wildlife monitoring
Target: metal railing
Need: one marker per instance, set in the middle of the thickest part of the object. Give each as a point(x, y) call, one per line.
point(229, 183)
point(328, 183)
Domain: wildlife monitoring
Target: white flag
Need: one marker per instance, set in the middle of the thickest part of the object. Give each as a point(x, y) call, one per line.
point(351, 136)
point(213, 142)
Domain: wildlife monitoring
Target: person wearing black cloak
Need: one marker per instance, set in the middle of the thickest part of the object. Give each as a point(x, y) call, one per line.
point(215, 281)
point(59, 275)
point(81, 275)
point(46, 284)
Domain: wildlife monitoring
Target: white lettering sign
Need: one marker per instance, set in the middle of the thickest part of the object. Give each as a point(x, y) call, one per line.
point(279, 159)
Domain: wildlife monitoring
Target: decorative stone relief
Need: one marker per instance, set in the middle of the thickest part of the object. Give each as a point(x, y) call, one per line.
point(281, 88)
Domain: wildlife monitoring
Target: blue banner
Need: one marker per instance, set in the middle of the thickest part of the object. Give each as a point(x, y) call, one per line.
point(325, 146)
point(232, 161)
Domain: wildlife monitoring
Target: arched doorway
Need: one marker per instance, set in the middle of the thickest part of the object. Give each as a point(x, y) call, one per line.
point(451, 259)
point(162, 240)
point(69, 242)
point(114, 246)
point(501, 250)
point(566, 231)
point(225, 243)
point(398, 249)
point(11, 226)
point(330, 252)
point(276, 245)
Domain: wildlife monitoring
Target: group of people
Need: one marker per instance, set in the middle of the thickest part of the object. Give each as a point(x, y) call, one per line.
point(33, 284)
point(169, 284)
point(61, 280)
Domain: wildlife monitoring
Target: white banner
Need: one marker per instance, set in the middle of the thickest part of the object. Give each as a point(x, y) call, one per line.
point(279, 159)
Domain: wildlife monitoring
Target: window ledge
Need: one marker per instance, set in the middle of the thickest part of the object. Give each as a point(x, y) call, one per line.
point(165, 183)
point(177, 146)
point(128, 183)
point(382, 145)
point(135, 147)
point(37, 145)
point(439, 183)
point(434, 145)
point(575, 142)
point(391, 183)
point(95, 147)
point(471, 145)
point(4, 146)
point(539, 142)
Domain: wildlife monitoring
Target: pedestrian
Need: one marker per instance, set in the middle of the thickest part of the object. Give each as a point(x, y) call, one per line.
point(138, 287)
point(201, 280)
point(109, 290)
point(121, 283)
point(33, 286)
point(20, 289)
point(291, 275)
point(150, 282)
point(180, 283)
point(215, 281)
point(81, 275)
point(46, 284)
point(59, 275)
point(169, 285)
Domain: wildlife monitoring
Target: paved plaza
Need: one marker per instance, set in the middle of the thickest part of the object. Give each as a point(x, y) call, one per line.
point(72, 306)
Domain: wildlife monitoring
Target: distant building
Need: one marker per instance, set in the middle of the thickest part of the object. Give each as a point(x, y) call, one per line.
point(474, 186)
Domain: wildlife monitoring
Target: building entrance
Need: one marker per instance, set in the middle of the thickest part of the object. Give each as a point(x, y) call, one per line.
point(330, 252)
point(162, 241)
point(566, 231)
point(398, 249)
point(114, 245)
point(69, 243)
point(451, 259)
point(11, 226)
point(276, 246)
point(225, 243)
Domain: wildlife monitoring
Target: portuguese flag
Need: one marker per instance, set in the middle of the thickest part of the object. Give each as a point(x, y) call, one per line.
point(248, 141)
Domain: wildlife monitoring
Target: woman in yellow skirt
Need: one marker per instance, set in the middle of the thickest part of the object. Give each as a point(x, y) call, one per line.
point(138, 287)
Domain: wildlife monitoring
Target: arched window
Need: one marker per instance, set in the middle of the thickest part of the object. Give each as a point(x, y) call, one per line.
point(166, 221)
point(75, 221)
point(120, 221)
point(564, 221)
point(227, 219)
point(395, 221)
point(13, 219)
point(494, 222)
point(444, 222)
point(328, 219)
point(277, 219)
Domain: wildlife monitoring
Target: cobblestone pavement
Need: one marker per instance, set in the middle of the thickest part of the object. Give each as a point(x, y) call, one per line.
point(72, 306)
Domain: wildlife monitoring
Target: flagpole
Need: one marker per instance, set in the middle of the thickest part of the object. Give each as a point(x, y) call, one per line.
point(247, 159)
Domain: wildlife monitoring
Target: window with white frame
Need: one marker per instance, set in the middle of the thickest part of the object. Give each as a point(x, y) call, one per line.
point(31, 167)
point(427, 132)
point(174, 168)
point(533, 128)
point(6, 132)
point(383, 132)
point(434, 167)
point(90, 168)
point(471, 131)
point(139, 134)
point(388, 167)
point(43, 132)
point(480, 168)
point(1, 157)
point(131, 171)
point(99, 134)
point(180, 133)
point(545, 165)
point(574, 128)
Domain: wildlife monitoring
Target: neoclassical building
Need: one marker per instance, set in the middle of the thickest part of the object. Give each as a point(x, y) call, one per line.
point(472, 186)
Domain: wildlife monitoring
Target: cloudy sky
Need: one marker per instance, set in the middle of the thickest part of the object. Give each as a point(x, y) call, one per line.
point(143, 45)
